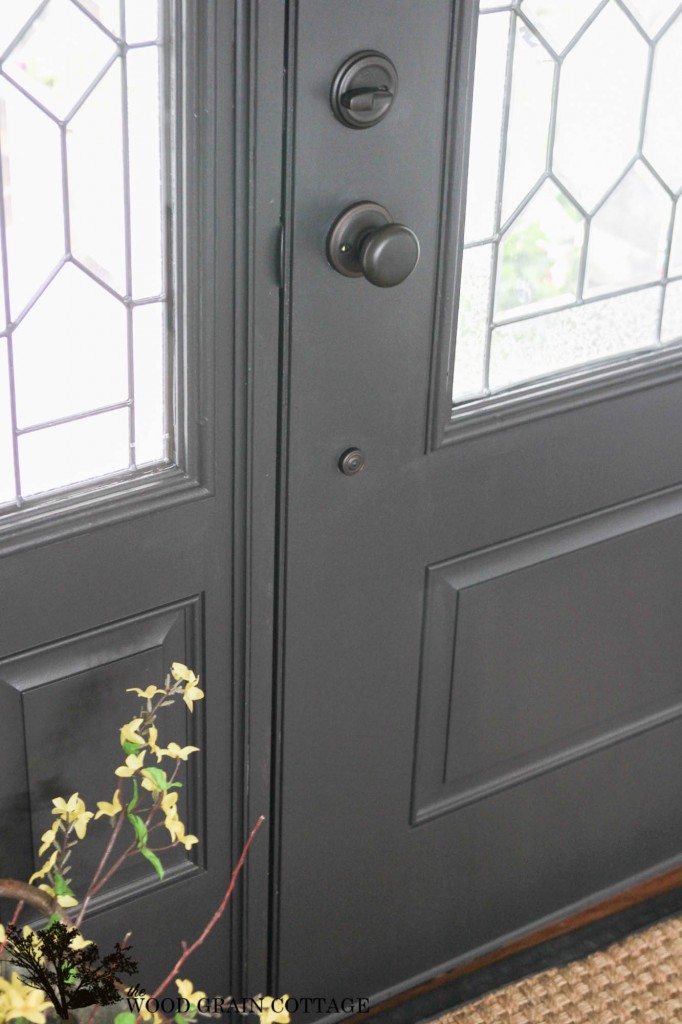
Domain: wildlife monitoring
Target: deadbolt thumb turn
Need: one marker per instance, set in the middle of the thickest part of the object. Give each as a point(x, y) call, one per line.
point(364, 242)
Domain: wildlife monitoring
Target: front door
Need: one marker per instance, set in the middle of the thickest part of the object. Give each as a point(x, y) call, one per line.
point(119, 488)
point(480, 637)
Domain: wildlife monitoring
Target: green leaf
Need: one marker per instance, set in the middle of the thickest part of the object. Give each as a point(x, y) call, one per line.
point(180, 1019)
point(153, 860)
point(133, 803)
point(131, 748)
point(125, 1018)
point(158, 777)
point(61, 886)
point(52, 919)
point(140, 829)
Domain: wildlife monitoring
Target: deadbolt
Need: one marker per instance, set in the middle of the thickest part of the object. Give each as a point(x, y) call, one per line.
point(364, 242)
point(352, 461)
point(364, 89)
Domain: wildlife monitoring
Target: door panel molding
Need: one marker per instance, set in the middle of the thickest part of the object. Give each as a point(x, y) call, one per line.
point(56, 697)
point(535, 618)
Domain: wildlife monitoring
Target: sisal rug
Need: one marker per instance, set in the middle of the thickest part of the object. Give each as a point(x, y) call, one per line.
point(636, 981)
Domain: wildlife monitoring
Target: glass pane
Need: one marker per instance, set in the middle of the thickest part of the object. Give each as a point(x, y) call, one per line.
point(96, 198)
point(59, 56)
point(676, 247)
point(144, 121)
point(76, 335)
point(32, 185)
point(149, 355)
point(652, 14)
point(568, 338)
point(108, 12)
point(15, 16)
point(529, 118)
point(663, 139)
point(540, 254)
point(142, 20)
point(558, 20)
point(629, 234)
point(600, 106)
point(83, 192)
point(471, 354)
point(486, 126)
point(671, 328)
point(586, 207)
point(6, 453)
point(74, 452)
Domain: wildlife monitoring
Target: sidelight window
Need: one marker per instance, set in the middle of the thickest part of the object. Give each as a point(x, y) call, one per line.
point(573, 226)
point(84, 378)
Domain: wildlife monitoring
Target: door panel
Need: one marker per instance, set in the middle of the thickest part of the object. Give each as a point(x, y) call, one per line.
point(480, 697)
point(103, 587)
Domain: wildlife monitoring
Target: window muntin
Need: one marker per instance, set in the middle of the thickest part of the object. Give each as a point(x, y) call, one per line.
point(573, 228)
point(83, 350)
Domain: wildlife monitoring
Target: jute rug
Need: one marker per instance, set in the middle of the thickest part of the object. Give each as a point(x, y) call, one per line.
point(636, 981)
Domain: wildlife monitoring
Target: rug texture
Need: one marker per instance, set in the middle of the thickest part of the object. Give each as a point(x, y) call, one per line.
point(636, 981)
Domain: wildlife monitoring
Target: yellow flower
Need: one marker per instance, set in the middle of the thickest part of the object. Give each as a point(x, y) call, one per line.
point(109, 809)
point(176, 751)
point(63, 900)
point(132, 764)
point(78, 942)
point(270, 1013)
point(186, 990)
point(192, 693)
point(130, 734)
point(153, 734)
point(73, 812)
point(168, 802)
point(47, 839)
point(20, 1000)
point(181, 672)
point(149, 692)
point(47, 867)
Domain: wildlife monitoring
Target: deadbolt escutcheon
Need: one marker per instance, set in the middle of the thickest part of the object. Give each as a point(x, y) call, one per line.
point(364, 89)
point(352, 461)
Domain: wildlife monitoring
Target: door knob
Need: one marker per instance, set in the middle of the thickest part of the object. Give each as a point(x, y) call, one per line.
point(365, 242)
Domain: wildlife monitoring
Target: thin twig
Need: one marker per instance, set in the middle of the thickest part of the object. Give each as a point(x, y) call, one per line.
point(188, 950)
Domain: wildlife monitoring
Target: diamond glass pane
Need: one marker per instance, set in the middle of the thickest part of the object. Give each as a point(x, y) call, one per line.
point(144, 123)
point(652, 14)
point(586, 159)
point(96, 182)
point(600, 106)
point(32, 187)
point(58, 56)
point(629, 234)
point(82, 177)
point(529, 118)
point(558, 20)
point(663, 139)
point(486, 125)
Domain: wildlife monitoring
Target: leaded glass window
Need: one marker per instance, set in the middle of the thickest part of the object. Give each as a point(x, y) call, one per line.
point(573, 227)
point(83, 355)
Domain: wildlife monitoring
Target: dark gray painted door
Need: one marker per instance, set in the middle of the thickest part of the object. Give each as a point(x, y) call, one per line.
point(481, 630)
point(103, 588)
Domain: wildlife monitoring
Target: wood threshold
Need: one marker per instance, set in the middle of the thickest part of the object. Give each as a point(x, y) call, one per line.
point(624, 900)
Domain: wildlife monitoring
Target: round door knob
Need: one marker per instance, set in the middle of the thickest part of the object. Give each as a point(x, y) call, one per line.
point(388, 255)
point(365, 242)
